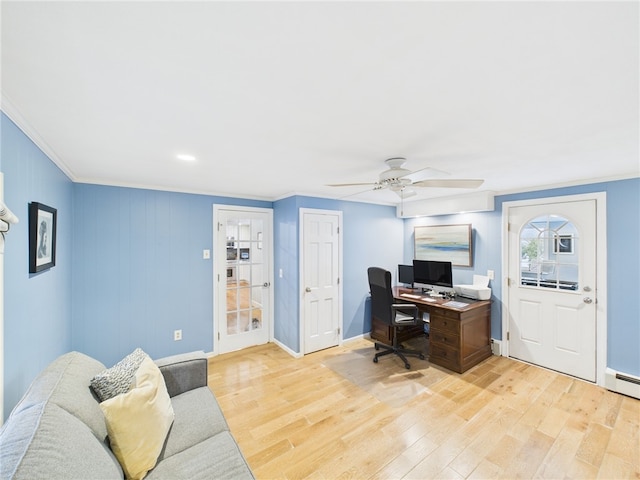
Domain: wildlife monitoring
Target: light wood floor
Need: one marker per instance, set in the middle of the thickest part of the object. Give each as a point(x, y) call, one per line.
point(298, 419)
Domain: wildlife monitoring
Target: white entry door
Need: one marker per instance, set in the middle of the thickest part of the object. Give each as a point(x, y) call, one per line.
point(552, 286)
point(242, 277)
point(321, 271)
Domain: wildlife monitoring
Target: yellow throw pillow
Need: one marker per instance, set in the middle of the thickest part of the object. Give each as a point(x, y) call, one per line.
point(138, 421)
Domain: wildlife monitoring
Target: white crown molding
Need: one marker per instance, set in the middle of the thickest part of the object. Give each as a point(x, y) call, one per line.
point(166, 188)
point(9, 109)
point(574, 183)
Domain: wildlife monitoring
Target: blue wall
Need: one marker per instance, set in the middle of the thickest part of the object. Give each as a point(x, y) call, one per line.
point(130, 269)
point(37, 324)
point(372, 235)
point(286, 298)
point(623, 261)
point(486, 240)
point(139, 273)
point(623, 265)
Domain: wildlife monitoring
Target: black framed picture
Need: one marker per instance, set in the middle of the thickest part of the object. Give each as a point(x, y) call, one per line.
point(42, 237)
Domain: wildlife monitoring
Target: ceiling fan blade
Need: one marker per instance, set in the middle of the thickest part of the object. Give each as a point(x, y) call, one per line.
point(413, 175)
point(355, 194)
point(426, 171)
point(350, 184)
point(448, 183)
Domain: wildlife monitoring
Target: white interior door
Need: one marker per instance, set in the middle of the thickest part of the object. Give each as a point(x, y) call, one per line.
point(321, 271)
point(243, 276)
point(552, 286)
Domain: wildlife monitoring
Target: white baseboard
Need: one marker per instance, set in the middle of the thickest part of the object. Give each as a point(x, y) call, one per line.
point(300, 355)
point(622, 383)
point(287, 349)
point(357, 337)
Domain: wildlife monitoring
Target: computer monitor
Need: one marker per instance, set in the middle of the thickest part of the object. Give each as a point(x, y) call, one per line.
point(405, 275)
point(433, 275)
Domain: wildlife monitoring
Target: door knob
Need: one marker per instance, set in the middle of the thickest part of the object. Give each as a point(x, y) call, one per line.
point(307, 289)
point(587, 300)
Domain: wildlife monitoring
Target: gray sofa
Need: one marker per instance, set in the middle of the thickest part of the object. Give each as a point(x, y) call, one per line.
point(57, 431)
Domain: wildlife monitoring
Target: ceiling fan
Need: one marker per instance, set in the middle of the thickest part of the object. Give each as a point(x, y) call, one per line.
point(396, 179)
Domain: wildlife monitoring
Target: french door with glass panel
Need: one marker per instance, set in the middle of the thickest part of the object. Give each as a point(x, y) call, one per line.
point(243, 295)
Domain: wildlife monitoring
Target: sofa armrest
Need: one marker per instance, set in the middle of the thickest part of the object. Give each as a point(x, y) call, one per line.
point(184, 372)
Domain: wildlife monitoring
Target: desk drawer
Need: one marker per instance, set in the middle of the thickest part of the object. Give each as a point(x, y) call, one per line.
point(382, 332)
point(445, 324)
point(445, 312)
point(445, 338)
point(444, 356)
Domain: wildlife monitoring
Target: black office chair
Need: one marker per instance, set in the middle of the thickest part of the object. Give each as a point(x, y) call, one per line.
point(393, 314)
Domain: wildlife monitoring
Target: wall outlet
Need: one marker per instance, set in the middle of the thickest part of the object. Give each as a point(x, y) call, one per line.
point(177, 335)
point(490, 274)
point(206, 254)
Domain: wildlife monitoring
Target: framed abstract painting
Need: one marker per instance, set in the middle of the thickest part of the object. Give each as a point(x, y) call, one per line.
point(446, 243)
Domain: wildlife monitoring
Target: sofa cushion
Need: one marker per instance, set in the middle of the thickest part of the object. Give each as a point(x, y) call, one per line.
point(138, 421)
point(184, 372)
point(65, 382)
point(216, 457)
point(119, 378)
point(46, 441)
point(197, 417)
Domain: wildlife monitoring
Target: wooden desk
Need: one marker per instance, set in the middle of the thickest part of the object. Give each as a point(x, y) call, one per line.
point(459, 337)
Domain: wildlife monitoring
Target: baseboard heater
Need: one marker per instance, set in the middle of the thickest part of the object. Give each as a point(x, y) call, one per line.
point(622, 383)
point(496, 347)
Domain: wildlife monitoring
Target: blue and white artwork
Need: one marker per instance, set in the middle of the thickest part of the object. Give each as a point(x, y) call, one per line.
point(445, 243)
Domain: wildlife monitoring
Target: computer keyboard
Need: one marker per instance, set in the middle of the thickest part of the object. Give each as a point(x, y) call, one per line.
point(410, 295)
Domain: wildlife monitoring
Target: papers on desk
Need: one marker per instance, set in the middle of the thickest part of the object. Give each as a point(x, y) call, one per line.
point(455, 304)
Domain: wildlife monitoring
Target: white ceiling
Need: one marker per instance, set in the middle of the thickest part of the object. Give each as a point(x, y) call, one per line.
point(276, 98)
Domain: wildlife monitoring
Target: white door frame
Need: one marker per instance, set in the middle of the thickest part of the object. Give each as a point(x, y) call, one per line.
point(301, 286)
point(601, 271)
point(220, 266)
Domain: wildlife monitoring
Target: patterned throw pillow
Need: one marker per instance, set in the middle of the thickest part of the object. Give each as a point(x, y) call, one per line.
point(119, 378)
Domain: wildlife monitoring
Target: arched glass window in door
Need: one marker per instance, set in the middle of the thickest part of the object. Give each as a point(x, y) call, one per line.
point(549, 247)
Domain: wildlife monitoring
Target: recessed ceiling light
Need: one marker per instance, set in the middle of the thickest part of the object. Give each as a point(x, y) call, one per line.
point(185, 157)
